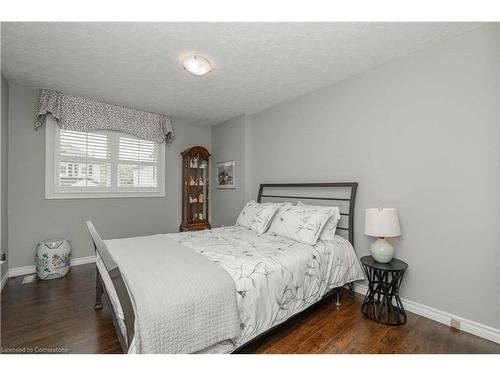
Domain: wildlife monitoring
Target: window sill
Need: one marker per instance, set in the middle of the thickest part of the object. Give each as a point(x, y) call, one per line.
point(104, 195)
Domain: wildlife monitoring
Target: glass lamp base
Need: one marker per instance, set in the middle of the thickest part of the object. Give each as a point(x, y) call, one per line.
point(382, 251)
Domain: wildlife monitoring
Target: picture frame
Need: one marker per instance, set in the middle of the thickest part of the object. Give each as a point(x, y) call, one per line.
point(226, 175)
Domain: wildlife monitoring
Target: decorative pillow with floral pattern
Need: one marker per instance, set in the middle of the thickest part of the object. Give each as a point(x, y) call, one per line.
point(328, 232)
point(257, 216)
point(300, 223)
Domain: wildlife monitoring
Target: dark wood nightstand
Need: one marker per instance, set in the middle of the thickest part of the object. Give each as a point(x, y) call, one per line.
point(384, 280)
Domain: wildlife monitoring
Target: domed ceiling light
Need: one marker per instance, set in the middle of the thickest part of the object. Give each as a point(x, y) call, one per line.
point(197, 65)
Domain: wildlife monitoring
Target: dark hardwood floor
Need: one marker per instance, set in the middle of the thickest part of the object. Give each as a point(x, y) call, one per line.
point(59, 314)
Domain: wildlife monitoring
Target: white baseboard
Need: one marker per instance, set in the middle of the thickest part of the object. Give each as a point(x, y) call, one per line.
point(21, 271)
point(83, 260)
point(466, 325)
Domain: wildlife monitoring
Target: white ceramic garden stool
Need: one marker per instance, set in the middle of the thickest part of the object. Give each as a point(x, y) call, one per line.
point(53, 259)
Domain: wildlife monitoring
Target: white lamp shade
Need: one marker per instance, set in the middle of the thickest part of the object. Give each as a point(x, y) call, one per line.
point(382, 222)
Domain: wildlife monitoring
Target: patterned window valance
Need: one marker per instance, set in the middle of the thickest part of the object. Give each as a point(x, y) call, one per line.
point(82, 114)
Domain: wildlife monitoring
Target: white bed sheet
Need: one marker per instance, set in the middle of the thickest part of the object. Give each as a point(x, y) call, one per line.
point(275, 277)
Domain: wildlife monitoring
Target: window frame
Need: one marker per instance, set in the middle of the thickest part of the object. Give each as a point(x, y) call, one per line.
point(52, 159)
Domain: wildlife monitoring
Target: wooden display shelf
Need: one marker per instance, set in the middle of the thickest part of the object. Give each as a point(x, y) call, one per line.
point(190, 173)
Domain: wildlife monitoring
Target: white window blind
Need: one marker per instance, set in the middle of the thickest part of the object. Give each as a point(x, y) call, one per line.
point(137, 163)
point(101, 164)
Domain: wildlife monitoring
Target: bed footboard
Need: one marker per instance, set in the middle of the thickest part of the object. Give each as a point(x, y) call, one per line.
point(120, 289)
point(98, 290)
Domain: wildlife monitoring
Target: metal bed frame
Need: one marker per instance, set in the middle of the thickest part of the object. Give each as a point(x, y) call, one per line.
point(121, 289)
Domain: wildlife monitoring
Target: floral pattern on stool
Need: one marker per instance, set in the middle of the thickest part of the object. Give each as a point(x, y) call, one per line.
point(53, 259)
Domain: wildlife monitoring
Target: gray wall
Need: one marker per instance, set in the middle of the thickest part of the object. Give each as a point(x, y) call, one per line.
point(228, 141)
point(3, 171)
point(419, 133)
point(33, 218)
point(498, 43)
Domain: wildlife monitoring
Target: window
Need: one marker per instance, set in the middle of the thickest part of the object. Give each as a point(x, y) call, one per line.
point(101, 164)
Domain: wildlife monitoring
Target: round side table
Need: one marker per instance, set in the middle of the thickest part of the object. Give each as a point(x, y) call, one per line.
point(384, 280)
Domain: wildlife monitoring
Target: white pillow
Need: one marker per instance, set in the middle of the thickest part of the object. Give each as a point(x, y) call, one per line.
point(257, 216)
point(328, 232)
point(299, 223)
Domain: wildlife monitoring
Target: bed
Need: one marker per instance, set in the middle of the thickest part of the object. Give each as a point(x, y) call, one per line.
point(226, 286)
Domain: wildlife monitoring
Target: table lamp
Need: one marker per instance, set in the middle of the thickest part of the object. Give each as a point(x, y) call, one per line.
point(382, 223)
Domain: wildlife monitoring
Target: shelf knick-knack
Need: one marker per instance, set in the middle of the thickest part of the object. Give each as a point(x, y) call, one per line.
point(194, 162)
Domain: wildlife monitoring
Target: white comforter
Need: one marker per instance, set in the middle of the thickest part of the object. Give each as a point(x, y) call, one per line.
point(275, 277)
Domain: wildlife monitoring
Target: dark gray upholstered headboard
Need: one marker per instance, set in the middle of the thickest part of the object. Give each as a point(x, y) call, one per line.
point(341, 194)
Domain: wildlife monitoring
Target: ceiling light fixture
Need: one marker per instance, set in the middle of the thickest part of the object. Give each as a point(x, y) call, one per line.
point(197, 65)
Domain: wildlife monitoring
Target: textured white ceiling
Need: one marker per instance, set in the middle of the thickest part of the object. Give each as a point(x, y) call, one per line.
point(257, 65)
